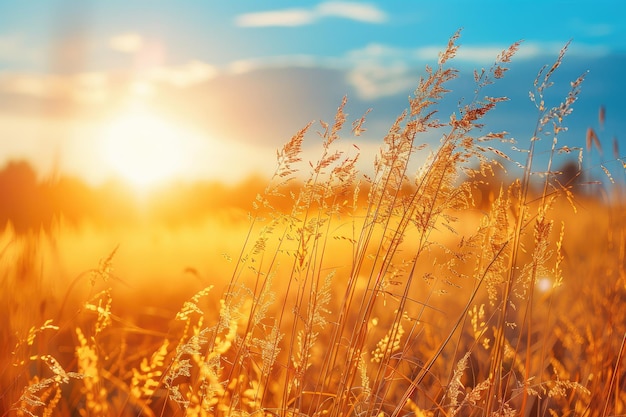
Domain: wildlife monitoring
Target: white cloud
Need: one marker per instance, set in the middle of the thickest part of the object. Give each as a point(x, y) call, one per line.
point(9, 45)
point(14, 49)
point(35, 85)
point(97, 87)
point(379, 70)
point(376, 51)
point(482, 55)
point(298, 17)
point(599, 30)
point(476, 55)
point(286, 17)
point(243, 66)
point(591, 29)
point(91, 87)
point(486, 54)
point(374, 81)
point(126, 42)
point(191, 73)
point(146, 84)
point(351, 10)
point(534, 49)
point(83, 87)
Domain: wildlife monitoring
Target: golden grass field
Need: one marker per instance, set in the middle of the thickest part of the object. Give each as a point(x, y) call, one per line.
point(452, 290)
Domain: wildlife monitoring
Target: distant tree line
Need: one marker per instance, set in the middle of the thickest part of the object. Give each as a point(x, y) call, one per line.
point(29, 203)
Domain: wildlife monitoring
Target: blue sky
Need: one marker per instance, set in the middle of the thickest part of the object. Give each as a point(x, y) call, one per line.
point(233, 80)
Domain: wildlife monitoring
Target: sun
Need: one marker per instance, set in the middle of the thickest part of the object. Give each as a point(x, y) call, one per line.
point(143, 148)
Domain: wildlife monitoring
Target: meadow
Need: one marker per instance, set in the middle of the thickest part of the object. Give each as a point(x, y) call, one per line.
point(485, 281)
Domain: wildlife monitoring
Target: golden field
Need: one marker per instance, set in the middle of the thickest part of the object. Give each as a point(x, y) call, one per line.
point(451, 290)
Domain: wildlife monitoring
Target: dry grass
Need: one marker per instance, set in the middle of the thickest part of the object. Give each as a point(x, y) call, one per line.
point(389, 294)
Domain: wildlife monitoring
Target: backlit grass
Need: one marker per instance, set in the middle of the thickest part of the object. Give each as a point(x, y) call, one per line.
point(446, 291)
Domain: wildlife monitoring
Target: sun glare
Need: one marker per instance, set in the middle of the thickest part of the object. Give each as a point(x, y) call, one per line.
point(143, 148)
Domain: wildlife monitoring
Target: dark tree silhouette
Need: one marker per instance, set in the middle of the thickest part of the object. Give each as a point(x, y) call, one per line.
point(22, 201)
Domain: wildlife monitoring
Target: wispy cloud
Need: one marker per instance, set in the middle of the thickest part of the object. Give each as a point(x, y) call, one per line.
point(92, 87)
point(534, 49)
point(243, 66)
point(15, 49)
point(591, 29)
point(126, 42)
point(382, 70)
point(374, 71)
point(101, 87)
point(374, 81)
point(185, 75)
point(286, 17)
point(361, 12)
point(9, 45)
point(379, 70)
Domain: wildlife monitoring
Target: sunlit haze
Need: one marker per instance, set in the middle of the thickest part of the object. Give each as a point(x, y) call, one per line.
point(215, 89)
point(143, 148)
point(314, 208)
